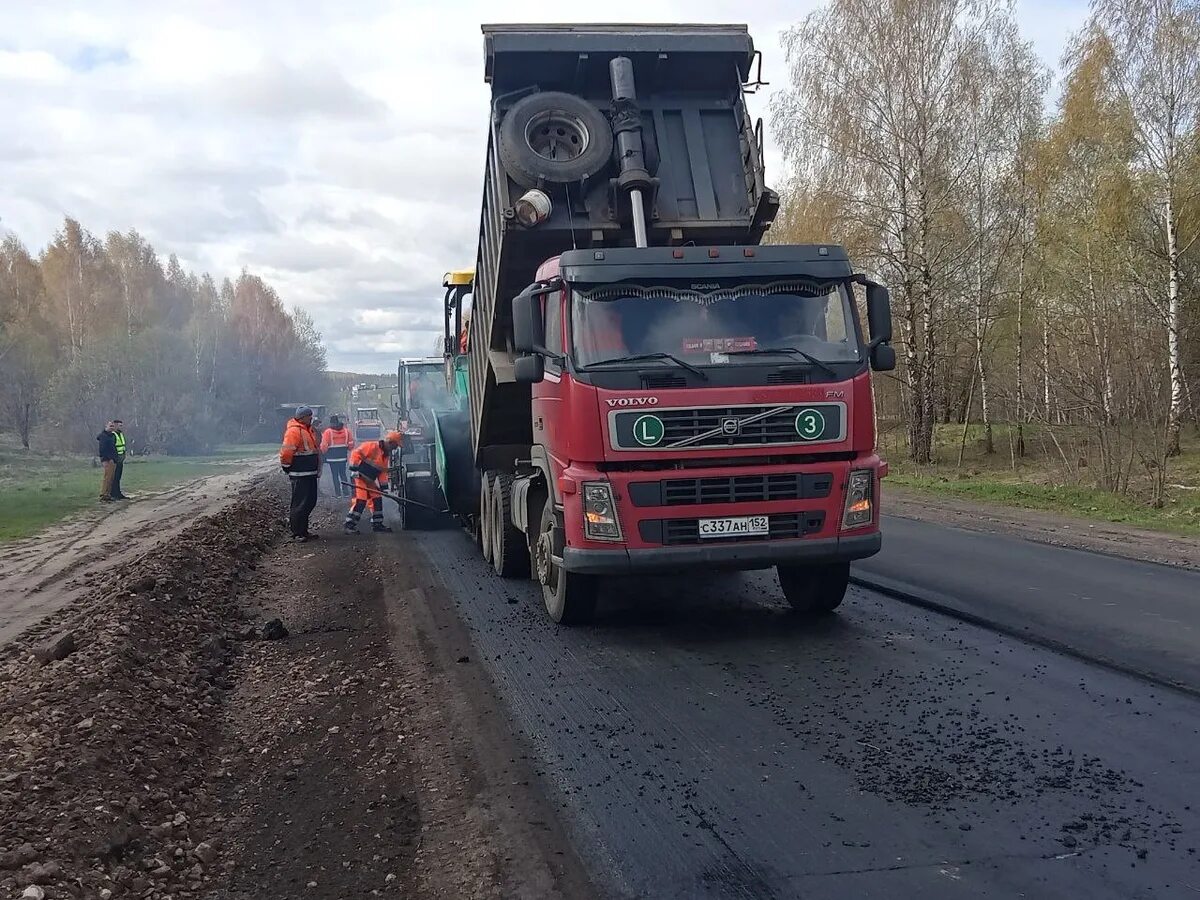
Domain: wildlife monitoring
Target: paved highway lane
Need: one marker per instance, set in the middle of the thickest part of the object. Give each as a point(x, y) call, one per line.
point(705, 742)
point(1141, 616)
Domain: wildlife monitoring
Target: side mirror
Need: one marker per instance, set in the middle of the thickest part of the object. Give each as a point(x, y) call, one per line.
point(529, 369)
point(396, 401)
point(883, 357)
point(879, 313)
point(528, 327)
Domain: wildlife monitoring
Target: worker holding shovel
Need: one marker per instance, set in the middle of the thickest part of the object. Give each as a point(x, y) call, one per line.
point(369, 464)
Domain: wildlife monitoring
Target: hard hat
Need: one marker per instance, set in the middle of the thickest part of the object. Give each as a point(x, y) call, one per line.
point(394, 438)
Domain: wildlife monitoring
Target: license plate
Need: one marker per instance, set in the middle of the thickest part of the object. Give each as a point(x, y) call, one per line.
point(734, 526)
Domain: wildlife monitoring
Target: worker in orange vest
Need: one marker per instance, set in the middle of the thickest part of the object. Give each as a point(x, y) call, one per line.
point(300, 458)
point(336, 444)
point(464, 336)
point(369, 465)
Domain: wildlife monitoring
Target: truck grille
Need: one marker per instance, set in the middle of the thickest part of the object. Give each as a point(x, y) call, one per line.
point(733, 489)
point(657, 429)
point(776, 428)
point(687, 531)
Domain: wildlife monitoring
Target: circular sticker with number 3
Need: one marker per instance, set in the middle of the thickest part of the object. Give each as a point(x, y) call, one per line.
point(810, 424)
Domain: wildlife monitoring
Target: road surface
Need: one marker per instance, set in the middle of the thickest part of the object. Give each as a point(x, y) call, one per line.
point(1141, 616)
point(703, 741)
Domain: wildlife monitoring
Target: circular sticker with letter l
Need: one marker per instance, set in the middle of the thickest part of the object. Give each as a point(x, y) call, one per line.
point(648, 430)
point(810, 424)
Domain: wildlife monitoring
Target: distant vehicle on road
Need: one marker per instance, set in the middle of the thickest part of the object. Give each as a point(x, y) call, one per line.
point(367, 424)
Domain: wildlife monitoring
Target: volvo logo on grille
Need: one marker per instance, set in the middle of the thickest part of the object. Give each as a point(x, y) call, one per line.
point(633, 401)
point(731, 425)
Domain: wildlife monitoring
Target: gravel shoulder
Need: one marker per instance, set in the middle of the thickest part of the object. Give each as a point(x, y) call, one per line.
point(1044, 527)
point(44, 573)
point(154, 743)
point(373, 759)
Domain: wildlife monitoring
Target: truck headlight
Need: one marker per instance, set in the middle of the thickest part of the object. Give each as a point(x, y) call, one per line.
point(860, 499)
point(600, 512)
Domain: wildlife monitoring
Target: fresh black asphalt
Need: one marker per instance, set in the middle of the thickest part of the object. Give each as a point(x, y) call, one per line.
point(703, 741)
point(1141, 616)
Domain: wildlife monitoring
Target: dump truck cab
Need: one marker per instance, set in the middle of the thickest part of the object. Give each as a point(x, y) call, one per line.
point(649, 388)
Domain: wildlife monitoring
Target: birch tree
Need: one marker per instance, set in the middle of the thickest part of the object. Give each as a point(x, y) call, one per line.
point(880, 99)
point(1155, 69)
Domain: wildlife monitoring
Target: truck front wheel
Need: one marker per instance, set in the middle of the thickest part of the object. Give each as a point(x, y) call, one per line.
point(814, 589)
point(570, 598)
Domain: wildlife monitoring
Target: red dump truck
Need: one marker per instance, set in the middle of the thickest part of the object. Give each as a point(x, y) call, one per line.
point(649, 387)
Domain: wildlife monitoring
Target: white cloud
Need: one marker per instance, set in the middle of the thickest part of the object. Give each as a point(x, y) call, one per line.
point(338, 150)
point(32, 66)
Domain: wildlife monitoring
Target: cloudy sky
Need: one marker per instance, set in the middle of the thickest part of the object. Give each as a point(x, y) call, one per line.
point(334, 148)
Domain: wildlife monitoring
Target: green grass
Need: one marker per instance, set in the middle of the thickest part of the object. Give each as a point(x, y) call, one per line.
point(37, 490)
point(1180, 515)
point(1043, 480)
point(242, 451)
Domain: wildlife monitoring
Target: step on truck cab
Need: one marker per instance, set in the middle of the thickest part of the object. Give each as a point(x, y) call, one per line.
point(650, 388)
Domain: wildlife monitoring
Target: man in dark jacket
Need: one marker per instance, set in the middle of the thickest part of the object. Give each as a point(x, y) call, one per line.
point(107, 452)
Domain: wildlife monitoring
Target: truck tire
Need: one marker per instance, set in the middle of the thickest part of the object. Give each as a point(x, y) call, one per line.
point(554, 137)
point(570, 598)
point(814, 589)
point(486, 519)
point(510, 552)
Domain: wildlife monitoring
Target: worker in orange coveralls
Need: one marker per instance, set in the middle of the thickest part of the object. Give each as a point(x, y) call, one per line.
point(369, 464)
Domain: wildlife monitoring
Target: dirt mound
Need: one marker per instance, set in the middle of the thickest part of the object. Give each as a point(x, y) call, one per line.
point(106, 717)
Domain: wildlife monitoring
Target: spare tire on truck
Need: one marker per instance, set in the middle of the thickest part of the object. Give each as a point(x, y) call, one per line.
point(554, 137)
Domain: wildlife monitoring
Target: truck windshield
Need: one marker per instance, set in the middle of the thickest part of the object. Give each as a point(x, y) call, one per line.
point(738, 325)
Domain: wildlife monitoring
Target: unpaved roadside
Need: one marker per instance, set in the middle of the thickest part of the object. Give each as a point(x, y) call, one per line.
point(1044, 527)
point(45, 572)
point(175, 753)
point(374, 758)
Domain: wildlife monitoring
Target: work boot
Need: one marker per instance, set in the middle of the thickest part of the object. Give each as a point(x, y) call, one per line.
point(350, 529)
point(380, 527)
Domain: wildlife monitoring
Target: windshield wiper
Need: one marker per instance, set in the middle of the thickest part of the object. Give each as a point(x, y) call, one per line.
point(828, 370)
point(640, 356)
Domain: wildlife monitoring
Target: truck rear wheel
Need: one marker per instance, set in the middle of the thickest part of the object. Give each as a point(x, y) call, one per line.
point(555, 137)
point(486, 523)
point(814, 589)
point(510, 552)
point(570, 598)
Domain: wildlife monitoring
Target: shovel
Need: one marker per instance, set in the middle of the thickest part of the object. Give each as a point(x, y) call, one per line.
point(396, 497)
